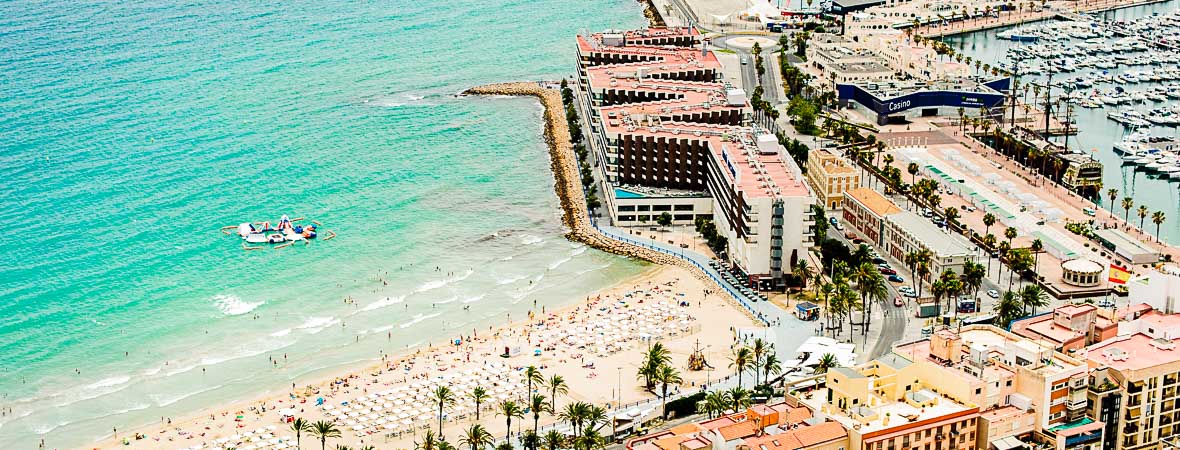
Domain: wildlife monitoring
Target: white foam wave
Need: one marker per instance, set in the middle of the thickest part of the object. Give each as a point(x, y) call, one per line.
point(314, 325)
point(46, 429)
point(509, 280)
point(109, 382)
point(559, 262)
point(449, 300)
point(474, 299)
point(506, 258)
point(435, 284)
point(586, 271)
point(528, 239)
point(579, 251)
point(233, 306)
point(281, 333)
point(419, 318)
point(382, 328)
point(162, 400)
point(152, 370)
point(134, 407)
point(387, 301)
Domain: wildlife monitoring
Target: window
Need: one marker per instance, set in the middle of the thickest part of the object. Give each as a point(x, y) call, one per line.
point(683, 207)
point(626, 208)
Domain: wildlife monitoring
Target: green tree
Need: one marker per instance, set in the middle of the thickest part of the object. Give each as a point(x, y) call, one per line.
point(1158, 219)
point(758, 350)
point(553, 440)
point(443, 397)
point(742, 358)
point(771, 366)
point(537, 405)
point(1033, 297)
point(324, 430)
point(1142, 213)
point(300, 426)
point(1113, 195)
point(826, 362)
point(1008, 309)
point(1128, 202)
point(510, 410)
point(476, 437)
point(478, 395)
point(739, 398)
point(667, 376)
point(429, 441)
point(664, 219)
point(532, 375)
point(557, 386)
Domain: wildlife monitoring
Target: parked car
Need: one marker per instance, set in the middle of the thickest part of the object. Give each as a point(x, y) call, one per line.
point(849, 235)
point(993, 293)
point(858, 241)
point(887, 271)
point(910, 294)
point(896, 278)
point(878, 260)
point(904, 289)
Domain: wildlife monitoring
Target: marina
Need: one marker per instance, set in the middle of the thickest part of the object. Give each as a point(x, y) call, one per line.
point(1113, 78)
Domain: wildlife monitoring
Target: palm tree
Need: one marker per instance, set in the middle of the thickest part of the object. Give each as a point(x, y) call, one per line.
point(667, 376)
point(1158, 219)
point(1009, 308)
point(912, 168)
point(476, 437)
point(532, 375)
point(972, 277)
point(324, 430)
point(590, 440)
point(656, 356)
point(504, 445)
point(826, 362)
point(300, 426)
point(758, 350)
point(478, 395)
point(1032, 297)
point(716, 402)
point(444, 445)
point(771, 366)
point(1037, 247)
point(1112, 194)
point(575, 413)
point(989, 219)
point(509, 409)
point(530, 440)
point(803, 271)
point(553, 440)
point(537, 405)
point(742, 357)
point(989, 241)
point(443, 397)
point(557, 386)
point(739, 398)
point(1142, 213)
point(1128, 202)
point(429, 442)
point(1010, 233)
point(922, 267)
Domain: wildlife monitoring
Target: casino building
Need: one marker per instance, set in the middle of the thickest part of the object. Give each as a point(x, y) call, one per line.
point(668, 137)
point(892, 101)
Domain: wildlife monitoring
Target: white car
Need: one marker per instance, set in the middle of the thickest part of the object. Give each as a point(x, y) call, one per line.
point(993, 293)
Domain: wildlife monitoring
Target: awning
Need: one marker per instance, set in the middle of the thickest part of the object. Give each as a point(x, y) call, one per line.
point(1007, 443)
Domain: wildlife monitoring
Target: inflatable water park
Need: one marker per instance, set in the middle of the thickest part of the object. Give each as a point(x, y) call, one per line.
point(287, 232)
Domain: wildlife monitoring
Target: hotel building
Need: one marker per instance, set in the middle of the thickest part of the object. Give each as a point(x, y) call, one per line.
point(1135, 382)
point(669, 138)
point(830, 176)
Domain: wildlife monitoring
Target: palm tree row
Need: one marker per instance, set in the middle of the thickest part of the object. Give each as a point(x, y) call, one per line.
point(761, 358)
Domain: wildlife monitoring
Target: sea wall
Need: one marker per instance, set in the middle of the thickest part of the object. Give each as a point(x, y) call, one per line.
point(568, 183)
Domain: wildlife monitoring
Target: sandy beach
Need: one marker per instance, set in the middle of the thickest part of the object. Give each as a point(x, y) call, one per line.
point(596, 346)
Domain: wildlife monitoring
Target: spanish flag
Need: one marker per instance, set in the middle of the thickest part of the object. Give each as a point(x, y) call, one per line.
point(1119, 275)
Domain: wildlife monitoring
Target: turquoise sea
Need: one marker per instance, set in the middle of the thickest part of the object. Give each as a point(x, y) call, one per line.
point(131, 132)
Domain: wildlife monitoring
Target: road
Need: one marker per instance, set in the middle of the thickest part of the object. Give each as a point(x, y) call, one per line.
point(894, 318)
point(771, 88)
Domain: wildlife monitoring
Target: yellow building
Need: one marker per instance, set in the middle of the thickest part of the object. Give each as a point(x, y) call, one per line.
point(829, 176)
point(888, 404)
